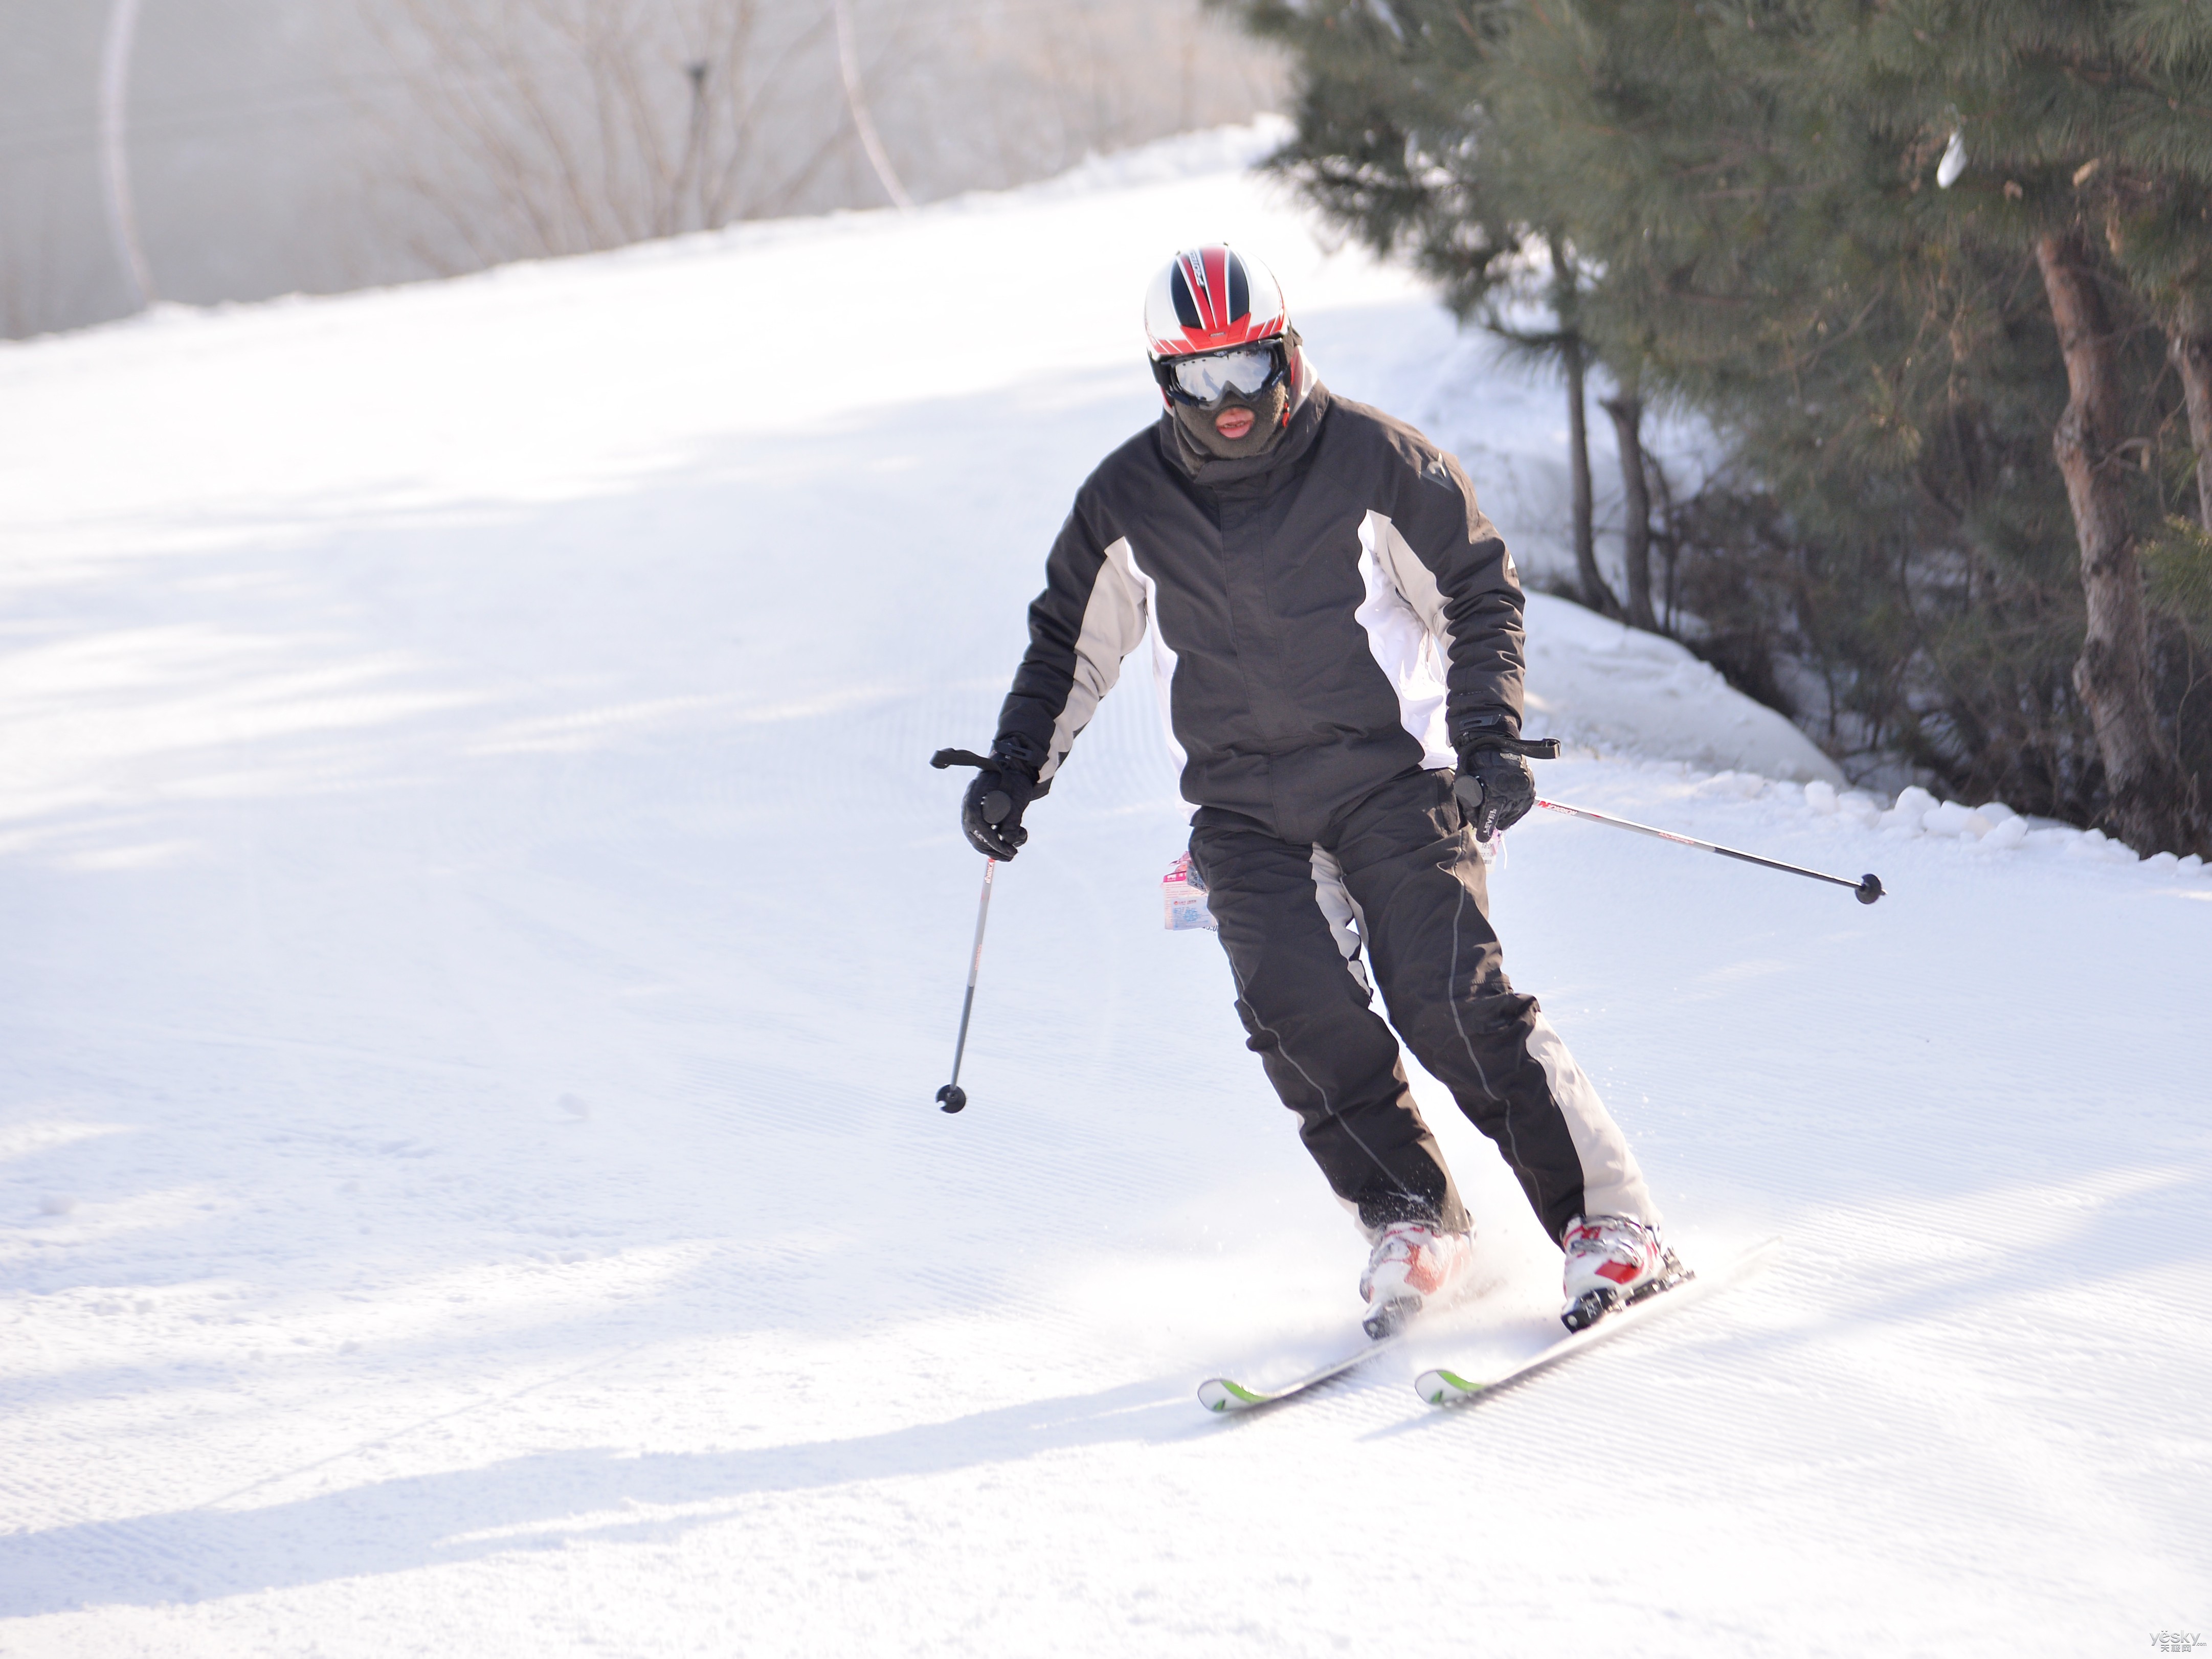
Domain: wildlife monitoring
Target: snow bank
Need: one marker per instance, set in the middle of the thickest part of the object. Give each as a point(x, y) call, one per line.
point(1619, 691)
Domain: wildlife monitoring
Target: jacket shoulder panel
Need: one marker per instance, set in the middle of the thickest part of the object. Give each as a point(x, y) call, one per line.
point(1131, 472)
point(1398, 470)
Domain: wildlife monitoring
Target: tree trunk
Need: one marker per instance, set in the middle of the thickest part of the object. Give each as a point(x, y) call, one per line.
point(1595, 594)
point(1566, 309)
point(2153, 808)
point(2190, 348)
point(1627, 414)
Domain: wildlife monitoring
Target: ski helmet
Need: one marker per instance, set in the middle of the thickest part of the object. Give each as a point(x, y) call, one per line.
point(1210, 299)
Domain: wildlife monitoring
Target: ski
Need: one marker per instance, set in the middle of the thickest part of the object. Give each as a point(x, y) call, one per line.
point(1223, 1394)
point(1678, 1289)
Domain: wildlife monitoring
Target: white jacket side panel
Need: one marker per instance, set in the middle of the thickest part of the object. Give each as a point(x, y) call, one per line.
point(1403, 616)
point(1122, 555)
point(1114, 621)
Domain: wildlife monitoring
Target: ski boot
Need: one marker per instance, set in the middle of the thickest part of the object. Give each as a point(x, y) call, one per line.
point(1414, 1265)
point(1613, 1261)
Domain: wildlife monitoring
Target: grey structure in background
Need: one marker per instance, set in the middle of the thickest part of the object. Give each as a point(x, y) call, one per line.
point(856, 101)
point(275, 146)
point(114, 147)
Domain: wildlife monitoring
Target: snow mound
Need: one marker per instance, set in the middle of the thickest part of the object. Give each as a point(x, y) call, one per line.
point(1614, 688)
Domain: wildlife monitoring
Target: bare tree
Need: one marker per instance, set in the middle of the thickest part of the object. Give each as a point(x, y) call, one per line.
point(999, 91)
point(540, 127)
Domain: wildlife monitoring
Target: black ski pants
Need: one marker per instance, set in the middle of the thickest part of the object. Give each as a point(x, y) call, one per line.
point(1398, 872)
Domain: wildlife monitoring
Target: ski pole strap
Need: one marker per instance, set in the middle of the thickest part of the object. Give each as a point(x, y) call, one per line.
point(1868, 888)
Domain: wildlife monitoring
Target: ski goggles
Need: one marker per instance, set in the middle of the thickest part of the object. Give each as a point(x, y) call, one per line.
point(1203, 380)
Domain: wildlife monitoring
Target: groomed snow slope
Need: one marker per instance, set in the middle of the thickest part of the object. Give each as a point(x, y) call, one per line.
point(481, 941)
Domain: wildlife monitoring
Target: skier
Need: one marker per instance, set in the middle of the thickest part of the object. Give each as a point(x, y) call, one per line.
point(1337, 641)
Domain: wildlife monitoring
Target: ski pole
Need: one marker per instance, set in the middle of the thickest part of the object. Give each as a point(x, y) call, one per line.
point(952, 1097)
point(1868, 888)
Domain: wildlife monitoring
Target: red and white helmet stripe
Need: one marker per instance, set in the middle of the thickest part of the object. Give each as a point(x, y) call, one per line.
point(1212, 298)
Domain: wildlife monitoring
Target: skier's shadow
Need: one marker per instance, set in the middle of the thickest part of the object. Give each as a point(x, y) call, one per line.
point(543, 1501)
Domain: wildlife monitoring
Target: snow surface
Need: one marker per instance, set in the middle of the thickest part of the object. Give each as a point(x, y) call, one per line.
point(482, 941)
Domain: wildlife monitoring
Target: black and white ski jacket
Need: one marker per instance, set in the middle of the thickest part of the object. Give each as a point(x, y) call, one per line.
point(1322, 617)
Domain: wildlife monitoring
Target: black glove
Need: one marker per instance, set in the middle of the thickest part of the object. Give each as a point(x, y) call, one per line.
point(990, 811)
point(1495, 789)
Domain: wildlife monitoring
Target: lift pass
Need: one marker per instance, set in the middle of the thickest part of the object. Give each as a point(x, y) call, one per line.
point(1183, 898)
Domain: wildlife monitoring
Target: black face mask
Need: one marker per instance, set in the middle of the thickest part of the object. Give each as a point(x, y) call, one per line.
point(1267, 407)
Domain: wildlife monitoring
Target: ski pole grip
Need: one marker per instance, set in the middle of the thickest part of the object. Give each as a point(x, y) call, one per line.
point(1527, 748)
point(994, 807)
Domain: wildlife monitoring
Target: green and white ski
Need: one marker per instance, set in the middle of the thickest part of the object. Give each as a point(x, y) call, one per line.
point(1447, 1387)
point(1222, 1393)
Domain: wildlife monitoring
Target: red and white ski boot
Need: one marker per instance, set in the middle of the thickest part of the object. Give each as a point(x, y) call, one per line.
point(1414, 1265)
point(1612, 1261)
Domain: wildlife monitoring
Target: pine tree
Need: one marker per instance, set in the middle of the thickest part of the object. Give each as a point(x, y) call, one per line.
point(2083, 122)
point(1947, 409)
point(1394, 143)
point(1764, 263)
